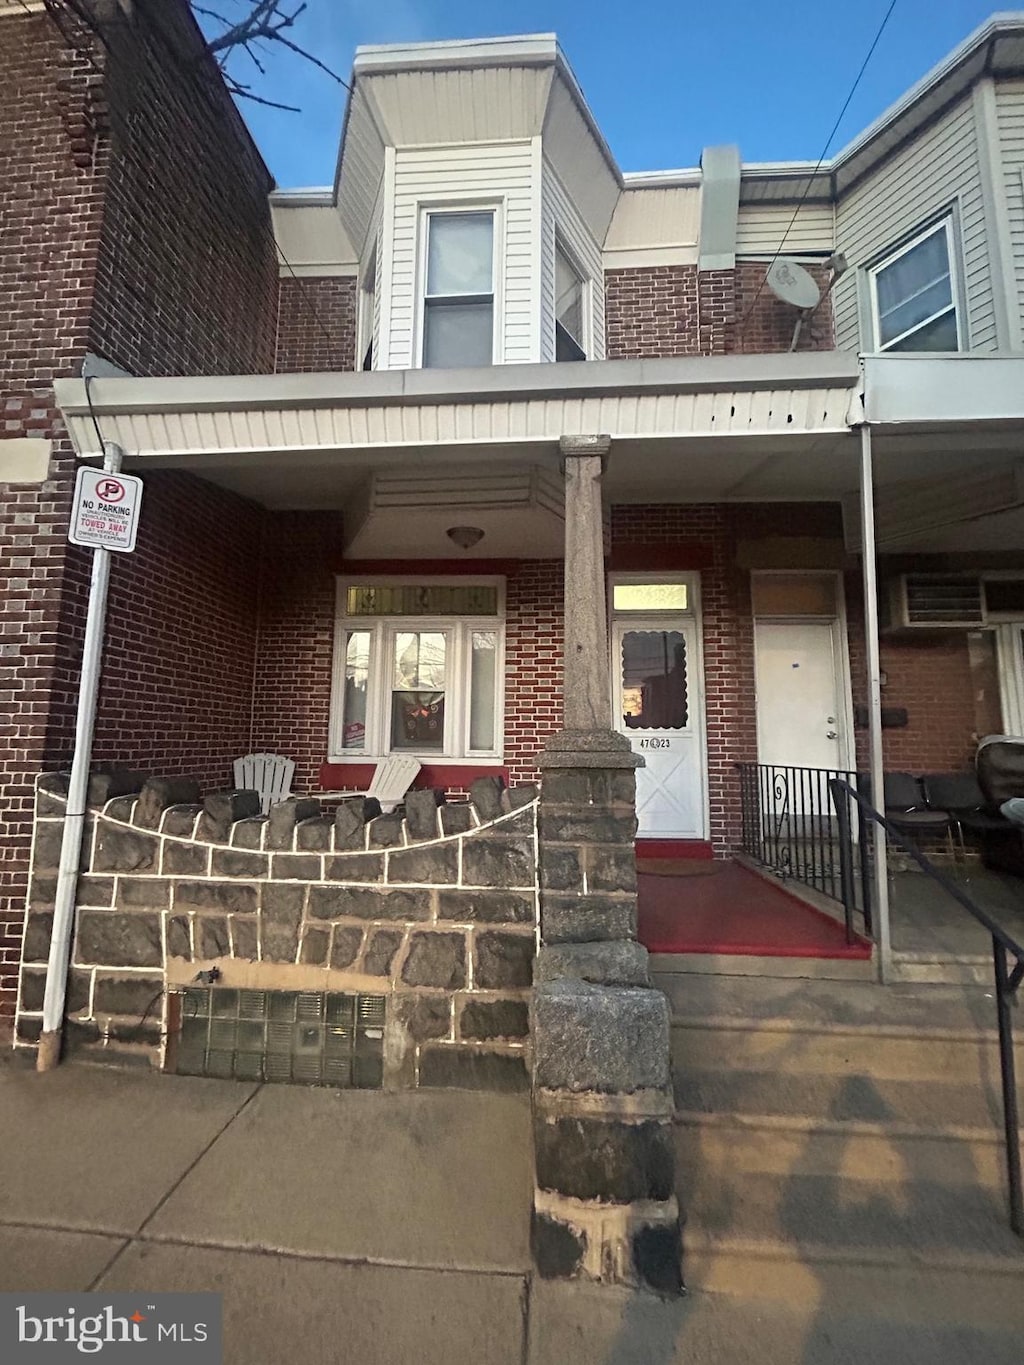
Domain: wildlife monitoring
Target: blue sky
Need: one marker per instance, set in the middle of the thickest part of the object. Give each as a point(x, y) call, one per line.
point(664, 79)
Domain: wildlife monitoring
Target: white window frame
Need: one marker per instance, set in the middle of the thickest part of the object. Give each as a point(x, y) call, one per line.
point(365, 325)
point(586, 341)
point(458, 630)
point(944, 225)
point(440, 209)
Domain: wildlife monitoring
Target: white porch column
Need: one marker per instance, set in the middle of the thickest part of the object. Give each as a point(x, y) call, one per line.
point(877, 766)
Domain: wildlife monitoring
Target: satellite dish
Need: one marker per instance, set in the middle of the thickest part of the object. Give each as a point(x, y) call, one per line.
point(793, 284)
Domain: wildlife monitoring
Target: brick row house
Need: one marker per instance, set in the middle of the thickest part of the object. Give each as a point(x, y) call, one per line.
point(353, 409)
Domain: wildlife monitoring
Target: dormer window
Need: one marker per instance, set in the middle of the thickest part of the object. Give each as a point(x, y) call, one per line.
point(568, 308)
point(458, 302)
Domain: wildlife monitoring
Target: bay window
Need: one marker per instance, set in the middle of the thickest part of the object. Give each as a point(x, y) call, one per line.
point(458, 300)
point(418, 669)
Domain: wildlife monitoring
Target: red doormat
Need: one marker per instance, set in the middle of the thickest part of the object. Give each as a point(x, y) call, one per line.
point(736, 911)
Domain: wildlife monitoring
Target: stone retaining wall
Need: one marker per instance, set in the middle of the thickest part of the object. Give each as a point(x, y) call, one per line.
point(436, 910)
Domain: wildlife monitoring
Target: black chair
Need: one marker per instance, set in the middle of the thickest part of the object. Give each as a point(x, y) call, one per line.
point(907, 809)
point(961, 797)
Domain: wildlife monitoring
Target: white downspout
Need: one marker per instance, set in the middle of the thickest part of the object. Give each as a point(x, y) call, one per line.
point(48, 1055)
point(877, 767)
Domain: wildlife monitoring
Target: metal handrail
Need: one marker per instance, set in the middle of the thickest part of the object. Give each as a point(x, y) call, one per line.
point(1007, 981)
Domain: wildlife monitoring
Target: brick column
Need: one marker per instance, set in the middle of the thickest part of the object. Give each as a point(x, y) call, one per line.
point(604, 1202)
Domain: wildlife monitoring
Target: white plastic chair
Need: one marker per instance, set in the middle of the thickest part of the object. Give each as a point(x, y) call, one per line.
point(392, 778)
point(269, 774)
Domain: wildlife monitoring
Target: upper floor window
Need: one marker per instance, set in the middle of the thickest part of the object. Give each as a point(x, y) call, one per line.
point(458, 303)
point(913, 295)
point(568, 309)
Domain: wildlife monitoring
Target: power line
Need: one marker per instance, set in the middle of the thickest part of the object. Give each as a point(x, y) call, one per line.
point(824, 152)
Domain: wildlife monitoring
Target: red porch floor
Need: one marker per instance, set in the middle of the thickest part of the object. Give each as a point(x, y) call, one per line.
point(729, 909)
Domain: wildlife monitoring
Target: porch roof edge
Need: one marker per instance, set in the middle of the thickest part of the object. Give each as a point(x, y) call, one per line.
point(498, 383)
point(944, 390)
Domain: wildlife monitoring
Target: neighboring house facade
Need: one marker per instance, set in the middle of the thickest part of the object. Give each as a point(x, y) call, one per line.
point(362, 554)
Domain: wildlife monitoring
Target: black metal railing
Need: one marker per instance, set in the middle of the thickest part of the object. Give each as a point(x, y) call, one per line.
point(1007, 977)
point(793, 827)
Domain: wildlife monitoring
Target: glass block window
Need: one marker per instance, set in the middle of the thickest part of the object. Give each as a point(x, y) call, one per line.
point(306, 1037)
point(458, 304)
point(418, 670)
point(913, 295)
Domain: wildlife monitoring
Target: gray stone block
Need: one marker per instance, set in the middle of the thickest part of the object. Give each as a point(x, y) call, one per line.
point(123, 850)
point(180, 821)
point(611, 869)
point(33, 988)
point(424, 1016)
point(615, 963)
point(464, 1068)
point(503, 960)
point(381, 948)
point(561, 867)
point(231, 862)
point(658, 1255)
point(519, 822)
point(49, 835)
point(357, 902)
point(435, 959)
point(42, 890)
point(486, 905)
point(456, 818)
point(249, 833)
point(179, 937)
point(355, 867)
point(493, 860)
point(316, 947)
point(386, 831)
point(421, 813)
point(28, 1030)
point(314, 834)
point(350, 824)
point(111, 939)
point(484, 1019)
point(52, 794)
point(212, 936)
point(104, 787)
point(345, 945)
point(558, 1248)
point(587, 919)
point(160, 792)
point(185, 859)
point(244, 943)
point(579, 826)
point(608, 1159)
point(143, 893)
point(485, 794)
point(611, 1039)
point(120, 808)
point(222, 897)
point(281, 915)
point(221, 810)
point(283, 818)
point(130, 995)
point(515, 798)
point(38, 928)
point(588, 787)
point(301, 867)
point(94, 891)
point(437, 863)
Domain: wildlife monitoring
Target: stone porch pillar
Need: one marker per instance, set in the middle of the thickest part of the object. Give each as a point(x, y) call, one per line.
point(604, 1202)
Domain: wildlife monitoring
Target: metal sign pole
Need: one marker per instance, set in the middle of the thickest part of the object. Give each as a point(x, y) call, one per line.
point(48, 1055)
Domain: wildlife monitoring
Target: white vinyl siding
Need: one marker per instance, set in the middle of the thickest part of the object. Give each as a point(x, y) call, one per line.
point(1010, 107)
point(936, 172)
point(561, 218)
point(498, 176)
point(761, 228)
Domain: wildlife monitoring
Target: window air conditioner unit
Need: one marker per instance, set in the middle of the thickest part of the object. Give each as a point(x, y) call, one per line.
point(922, 601)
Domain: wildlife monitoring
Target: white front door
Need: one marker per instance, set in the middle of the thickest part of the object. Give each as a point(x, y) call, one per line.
point(801, 709)
point(659, 708)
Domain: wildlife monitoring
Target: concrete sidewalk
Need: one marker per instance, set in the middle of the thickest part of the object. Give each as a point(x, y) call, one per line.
point(368, 1227)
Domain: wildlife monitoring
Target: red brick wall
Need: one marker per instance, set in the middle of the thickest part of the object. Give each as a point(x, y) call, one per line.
point(135, 222)
point(176, 695)
point(316, 325)
point(676, 310)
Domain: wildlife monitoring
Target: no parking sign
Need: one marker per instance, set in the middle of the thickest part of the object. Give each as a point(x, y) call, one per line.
point(106, 510)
